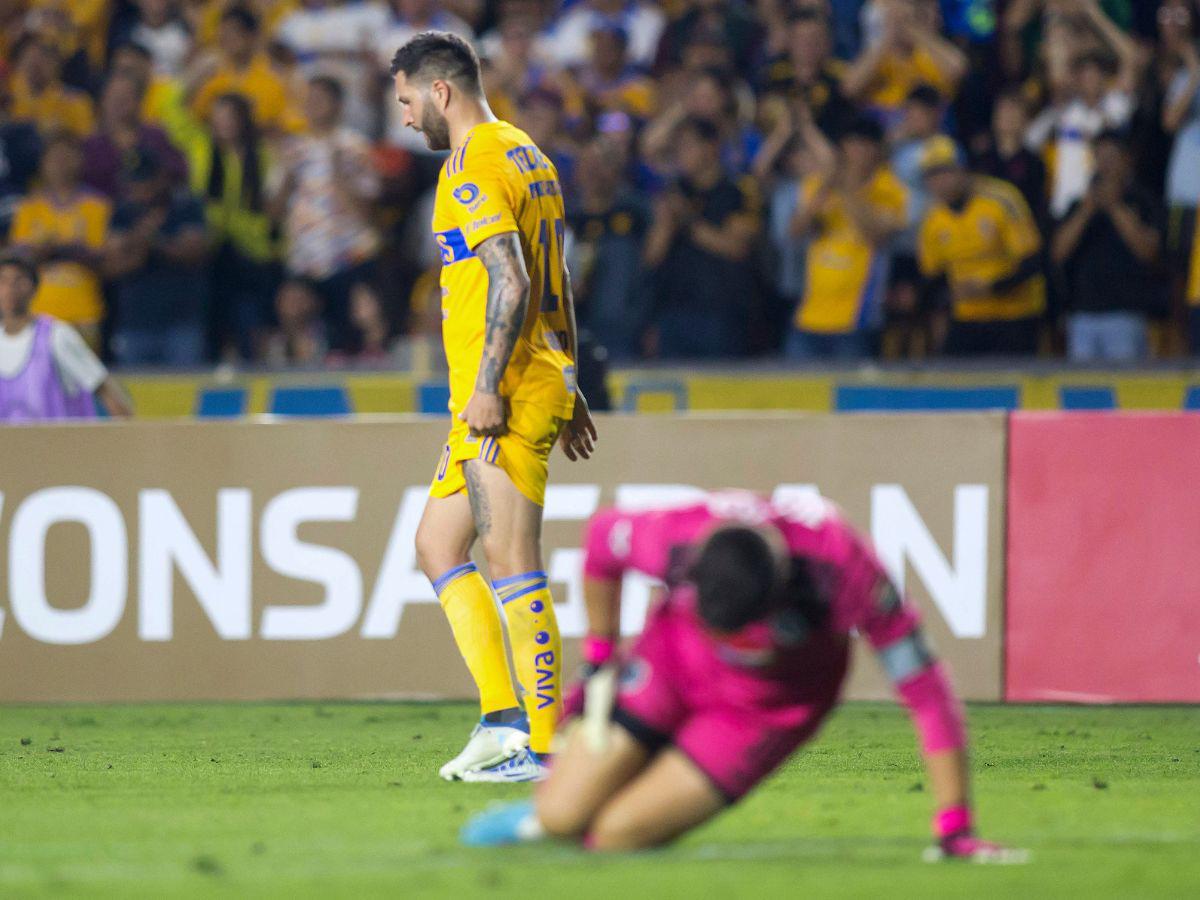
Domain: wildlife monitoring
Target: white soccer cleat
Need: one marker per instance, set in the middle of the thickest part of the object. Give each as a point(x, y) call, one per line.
point(488, 745)
point(525, 766)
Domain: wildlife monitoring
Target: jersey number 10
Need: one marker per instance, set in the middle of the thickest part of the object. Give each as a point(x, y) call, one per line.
point(551, 238)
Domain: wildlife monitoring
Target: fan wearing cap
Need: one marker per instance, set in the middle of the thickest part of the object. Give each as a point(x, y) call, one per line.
point(47, 372)
point(980, 247)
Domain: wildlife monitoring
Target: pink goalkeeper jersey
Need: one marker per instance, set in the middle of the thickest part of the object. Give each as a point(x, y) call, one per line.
point(859, 594)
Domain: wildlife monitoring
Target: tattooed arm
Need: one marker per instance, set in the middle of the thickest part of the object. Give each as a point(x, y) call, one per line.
point(507, 303)
point(578, 435)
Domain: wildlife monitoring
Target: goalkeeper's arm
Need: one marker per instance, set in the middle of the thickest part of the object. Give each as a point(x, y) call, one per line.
point(922, 685)
point(892, 626)
point(616, 542)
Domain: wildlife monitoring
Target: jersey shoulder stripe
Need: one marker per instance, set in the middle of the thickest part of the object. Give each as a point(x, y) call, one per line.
point(458, 160)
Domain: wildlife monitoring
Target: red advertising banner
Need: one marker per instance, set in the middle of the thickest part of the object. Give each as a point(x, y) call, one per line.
point(1103, 558)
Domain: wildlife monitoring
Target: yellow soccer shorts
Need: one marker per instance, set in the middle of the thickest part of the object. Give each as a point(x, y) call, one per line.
point(523, 452)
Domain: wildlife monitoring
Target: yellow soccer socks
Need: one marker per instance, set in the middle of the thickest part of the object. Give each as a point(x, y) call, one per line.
point(537, 651)
point(473, 618)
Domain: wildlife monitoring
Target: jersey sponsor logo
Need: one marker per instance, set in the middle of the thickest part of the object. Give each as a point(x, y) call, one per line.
point(544, 663)
point(469, 196)
point(483, 223)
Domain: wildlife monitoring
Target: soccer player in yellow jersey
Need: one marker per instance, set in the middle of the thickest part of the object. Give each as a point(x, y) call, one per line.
point(508, 325)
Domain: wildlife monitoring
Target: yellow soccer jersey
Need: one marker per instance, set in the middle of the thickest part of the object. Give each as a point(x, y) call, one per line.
point(985, 241)
point(847, 276)
point(497, 181)
point(69, 290)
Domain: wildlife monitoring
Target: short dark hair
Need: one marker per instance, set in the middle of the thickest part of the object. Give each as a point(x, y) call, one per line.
point(737, 578)
point(439, 55)
point(864, 127)
point(700, 128)
point(24, 263)
point(330, 84)
point(925, 95)
point(241, 16)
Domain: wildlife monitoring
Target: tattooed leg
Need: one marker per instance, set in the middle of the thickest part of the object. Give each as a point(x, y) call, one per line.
point(476, 493)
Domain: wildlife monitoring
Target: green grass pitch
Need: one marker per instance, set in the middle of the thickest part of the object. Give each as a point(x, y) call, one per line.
point(342, 799)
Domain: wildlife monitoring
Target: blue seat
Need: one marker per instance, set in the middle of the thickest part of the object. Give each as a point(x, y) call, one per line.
point(1191, 399)
point(868, 398)
point(310, 401)
point(433, 398)
point(1087, 397)
point(221, 403)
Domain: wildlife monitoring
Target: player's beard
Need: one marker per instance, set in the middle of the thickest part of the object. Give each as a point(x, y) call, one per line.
point(435, 128)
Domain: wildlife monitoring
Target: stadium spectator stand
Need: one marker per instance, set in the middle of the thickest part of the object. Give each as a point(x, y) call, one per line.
point(691, 136)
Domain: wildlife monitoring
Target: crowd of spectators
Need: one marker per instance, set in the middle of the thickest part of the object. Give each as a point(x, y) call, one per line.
point(203, 181)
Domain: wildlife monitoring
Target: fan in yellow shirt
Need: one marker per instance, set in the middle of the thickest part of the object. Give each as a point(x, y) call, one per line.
point(246, 70)
point(40, 97)
point(980, 239)
point(850, 215)
point(910, 52)
point(79, 24)
point(62, 228)
point(508, 325)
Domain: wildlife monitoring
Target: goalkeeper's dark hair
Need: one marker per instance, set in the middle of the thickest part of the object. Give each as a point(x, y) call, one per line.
point(737, 578)
point(439, 55)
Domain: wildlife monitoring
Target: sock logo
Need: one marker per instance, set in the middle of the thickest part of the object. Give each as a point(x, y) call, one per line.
point(545, 678)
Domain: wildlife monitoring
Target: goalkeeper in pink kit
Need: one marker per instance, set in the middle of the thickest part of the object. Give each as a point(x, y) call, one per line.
point(737, 667)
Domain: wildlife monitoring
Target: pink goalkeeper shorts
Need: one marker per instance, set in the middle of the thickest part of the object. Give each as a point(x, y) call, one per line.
point(736, 722)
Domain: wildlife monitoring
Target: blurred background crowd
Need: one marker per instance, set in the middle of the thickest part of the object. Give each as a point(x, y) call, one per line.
point(203, 181)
